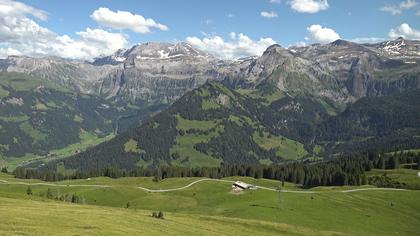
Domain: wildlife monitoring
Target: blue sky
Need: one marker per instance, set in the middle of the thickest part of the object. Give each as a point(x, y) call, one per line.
point(197, 20)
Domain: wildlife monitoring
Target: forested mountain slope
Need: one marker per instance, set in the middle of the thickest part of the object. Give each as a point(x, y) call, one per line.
point(214, 124)
point(38, 116)
point(208, 126)
point(376, 123)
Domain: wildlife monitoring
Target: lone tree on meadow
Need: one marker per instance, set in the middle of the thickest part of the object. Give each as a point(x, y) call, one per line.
point(29, 191)
point(49, 194)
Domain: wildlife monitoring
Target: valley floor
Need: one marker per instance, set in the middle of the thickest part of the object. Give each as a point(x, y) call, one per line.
point(202, 207)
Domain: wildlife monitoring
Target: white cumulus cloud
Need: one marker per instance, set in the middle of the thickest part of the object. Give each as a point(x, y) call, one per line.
point(238, 45)
point(22, 35)
point(91, 43)
point(4, 52)
point(309, 6)
point(322, 34)
point(408, 4)
point(125, 20)
point(275, 1)
point(13, 8)
point(405, 31)
point(398, 9)
point(269, 14)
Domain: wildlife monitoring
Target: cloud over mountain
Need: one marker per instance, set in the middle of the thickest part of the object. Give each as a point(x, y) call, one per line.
point(405, 31)
point(322, 34)
point(21, 34)
point(125, 20)
point(239, 45)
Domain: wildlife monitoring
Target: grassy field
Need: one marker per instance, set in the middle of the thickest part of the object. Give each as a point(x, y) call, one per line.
point(26, 217)
point(23, 82)
point(184, 147)
point(208, 204)
point(3, 92)
point(267, 98)
point(285, 148)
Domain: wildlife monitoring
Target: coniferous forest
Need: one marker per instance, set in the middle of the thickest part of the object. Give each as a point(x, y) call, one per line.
point(345, 170)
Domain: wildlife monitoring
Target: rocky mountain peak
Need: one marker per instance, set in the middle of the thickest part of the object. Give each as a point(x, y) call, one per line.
point(155, 51)
point(166, 51)
point(398, 48)
point(275, 49)
point(341, 42)
point(275, 53)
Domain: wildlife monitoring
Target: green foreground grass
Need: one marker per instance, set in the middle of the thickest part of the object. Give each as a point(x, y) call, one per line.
point(207, 207)
point(25, 217)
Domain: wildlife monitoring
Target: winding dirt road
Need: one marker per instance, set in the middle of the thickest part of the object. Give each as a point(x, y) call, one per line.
point(193, 183)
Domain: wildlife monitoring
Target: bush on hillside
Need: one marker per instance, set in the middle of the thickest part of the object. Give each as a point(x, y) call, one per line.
point(158, 215)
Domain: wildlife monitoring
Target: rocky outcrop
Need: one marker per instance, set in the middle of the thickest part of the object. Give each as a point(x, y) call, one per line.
point(162, 72)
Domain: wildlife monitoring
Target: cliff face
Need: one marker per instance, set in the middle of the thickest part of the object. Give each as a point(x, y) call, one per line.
point(162, 72)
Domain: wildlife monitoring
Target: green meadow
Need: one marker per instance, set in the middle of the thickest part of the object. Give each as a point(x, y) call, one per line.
point(206, 208)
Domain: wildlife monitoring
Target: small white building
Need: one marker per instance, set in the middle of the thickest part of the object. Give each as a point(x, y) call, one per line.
point(238, 185)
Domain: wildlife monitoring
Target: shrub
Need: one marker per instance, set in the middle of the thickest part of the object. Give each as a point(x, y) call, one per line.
point(158, 215)
point(29, 190)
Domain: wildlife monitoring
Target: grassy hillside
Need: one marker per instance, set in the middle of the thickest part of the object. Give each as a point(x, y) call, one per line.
point(26, 217)
point(327, 211)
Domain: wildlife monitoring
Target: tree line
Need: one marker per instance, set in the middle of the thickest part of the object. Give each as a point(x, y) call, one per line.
point(346, 170)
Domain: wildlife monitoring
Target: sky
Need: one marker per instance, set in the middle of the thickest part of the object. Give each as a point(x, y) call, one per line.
point(229, 29)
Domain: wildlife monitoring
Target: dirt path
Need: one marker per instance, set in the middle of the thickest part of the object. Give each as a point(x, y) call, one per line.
point(373, 189)
point(185, 187)
point(193, 183)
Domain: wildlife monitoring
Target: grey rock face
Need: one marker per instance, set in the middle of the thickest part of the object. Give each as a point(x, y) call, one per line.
point(78, 75)
point(362, 70)
point(162, 72)
point(399, 48)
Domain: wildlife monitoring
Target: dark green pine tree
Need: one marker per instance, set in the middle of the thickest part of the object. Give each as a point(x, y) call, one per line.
point(49, 194)
point(394, 162)
point(364, 179)
point(29, 191)
point(381, 163)
point(418, 162)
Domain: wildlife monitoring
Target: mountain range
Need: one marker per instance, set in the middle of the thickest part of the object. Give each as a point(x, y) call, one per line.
point(162, 72)
point(285, 105)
